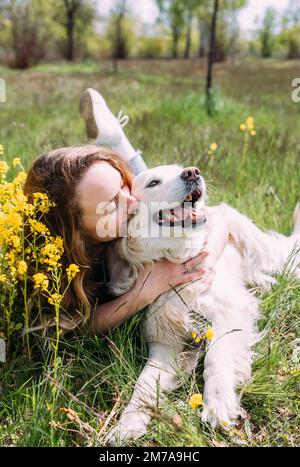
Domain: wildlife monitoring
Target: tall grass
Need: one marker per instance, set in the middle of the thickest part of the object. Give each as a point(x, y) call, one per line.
point(95, 375)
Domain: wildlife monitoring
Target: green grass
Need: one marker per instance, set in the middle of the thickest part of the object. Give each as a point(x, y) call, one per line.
point(168, 122)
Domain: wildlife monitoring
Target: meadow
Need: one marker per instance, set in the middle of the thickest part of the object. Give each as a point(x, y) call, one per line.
point(259, 175)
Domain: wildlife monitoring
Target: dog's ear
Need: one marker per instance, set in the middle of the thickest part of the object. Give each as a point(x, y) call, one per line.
point(122, 273)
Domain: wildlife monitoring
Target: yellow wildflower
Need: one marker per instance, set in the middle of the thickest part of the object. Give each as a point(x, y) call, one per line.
point(42, 202)
point(3, 278)
point(72, 270)
point(54, 298)
point(209, 334)
point(196, 338)
point(40, 281)
point(52, 252)
point(250, 123)
point(19, 179)
point(242, 126)
point(15, 240)
point(214, 146)
point(195, 401)
point(252, 132)
point(22, 268)
point(3, 167)
point(38, 227)
point(16, 161)
point(1, 149)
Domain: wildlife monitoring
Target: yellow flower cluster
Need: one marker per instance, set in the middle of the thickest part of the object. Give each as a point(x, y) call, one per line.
point(28, 251)
point(209, 334)
point(72, 271)
point(248, 126)
point(40, 281)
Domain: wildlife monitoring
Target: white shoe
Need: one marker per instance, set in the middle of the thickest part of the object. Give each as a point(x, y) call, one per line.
point(101, 124)
point(103, 127)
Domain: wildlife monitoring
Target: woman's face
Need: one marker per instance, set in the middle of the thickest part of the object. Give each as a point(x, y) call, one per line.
point(105, 201)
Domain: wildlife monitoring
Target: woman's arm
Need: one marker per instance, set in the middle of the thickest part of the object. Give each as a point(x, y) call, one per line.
point(153, 280)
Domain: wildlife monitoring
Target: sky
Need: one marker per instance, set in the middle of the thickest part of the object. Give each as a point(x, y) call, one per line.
point(146, 10)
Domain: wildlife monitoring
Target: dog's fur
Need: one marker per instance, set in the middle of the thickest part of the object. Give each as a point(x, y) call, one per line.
point(250, 259)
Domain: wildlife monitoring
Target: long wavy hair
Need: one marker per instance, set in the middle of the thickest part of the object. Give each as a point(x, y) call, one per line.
point(57, 174)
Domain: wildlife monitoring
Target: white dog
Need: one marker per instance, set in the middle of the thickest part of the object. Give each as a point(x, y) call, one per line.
point(250, 259)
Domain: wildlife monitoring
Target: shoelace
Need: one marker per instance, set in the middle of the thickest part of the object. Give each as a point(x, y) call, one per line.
point(122, 119)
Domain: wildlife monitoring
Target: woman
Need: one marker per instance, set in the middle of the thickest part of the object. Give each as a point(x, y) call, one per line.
point(77, 179)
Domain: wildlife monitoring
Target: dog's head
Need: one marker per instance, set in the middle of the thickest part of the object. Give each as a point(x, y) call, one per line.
point(171, 214)
point(168, 224)
point(174, 196)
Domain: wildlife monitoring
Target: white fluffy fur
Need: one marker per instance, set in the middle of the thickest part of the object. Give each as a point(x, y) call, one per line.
point(251, 259)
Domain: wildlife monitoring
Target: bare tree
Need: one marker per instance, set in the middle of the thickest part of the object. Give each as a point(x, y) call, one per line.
point(73, 12)
point(211, 55)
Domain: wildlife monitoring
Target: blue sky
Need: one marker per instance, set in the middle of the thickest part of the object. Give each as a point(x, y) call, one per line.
point(146, 10)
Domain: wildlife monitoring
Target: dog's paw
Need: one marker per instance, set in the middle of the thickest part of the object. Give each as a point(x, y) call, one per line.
point(220, 413)
point(127, 430)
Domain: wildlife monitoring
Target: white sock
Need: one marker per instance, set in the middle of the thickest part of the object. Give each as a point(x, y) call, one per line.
point(129, 154)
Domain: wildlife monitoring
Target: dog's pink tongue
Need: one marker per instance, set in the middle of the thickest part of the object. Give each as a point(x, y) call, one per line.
point(183, 213)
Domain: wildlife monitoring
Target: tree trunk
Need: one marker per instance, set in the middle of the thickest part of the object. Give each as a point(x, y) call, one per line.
point(187, 50)
point(175, 37)
point(70, 36)
point(211, 56)
point(201, 47)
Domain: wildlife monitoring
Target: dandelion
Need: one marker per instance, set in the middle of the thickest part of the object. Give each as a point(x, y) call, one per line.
point(195, 401)
point(16, 161)
point(209, 334)
point(40, 281)
point(72, 270)
point(196, 337)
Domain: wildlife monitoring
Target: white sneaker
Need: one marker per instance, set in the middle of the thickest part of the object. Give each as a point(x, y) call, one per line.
point(101, 124)
point(103, 127)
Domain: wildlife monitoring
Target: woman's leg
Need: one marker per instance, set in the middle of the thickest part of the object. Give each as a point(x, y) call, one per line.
point(105, 128)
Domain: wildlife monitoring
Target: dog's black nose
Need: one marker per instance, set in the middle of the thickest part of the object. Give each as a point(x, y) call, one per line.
point(191, 174)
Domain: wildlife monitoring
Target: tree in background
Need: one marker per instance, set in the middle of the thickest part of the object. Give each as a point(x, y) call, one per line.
point(267, 36)
point(211, 55)
point(290, 34)
point(173, 12)
point(27, 27)
point(74, 16)
point(190, 7)
point(227, 27)
point(120, 32)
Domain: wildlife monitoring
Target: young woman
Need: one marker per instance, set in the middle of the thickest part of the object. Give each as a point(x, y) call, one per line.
point(77, 179)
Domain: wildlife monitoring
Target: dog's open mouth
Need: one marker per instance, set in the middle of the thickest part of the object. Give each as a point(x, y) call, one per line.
point(184, 215)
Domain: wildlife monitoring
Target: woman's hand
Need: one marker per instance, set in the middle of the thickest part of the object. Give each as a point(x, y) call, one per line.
point(160, 276)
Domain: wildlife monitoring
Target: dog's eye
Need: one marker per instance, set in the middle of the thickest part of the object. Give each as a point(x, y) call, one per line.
point(153, 183)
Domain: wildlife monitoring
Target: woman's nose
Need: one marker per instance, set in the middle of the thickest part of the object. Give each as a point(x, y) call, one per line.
point(132, 204)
